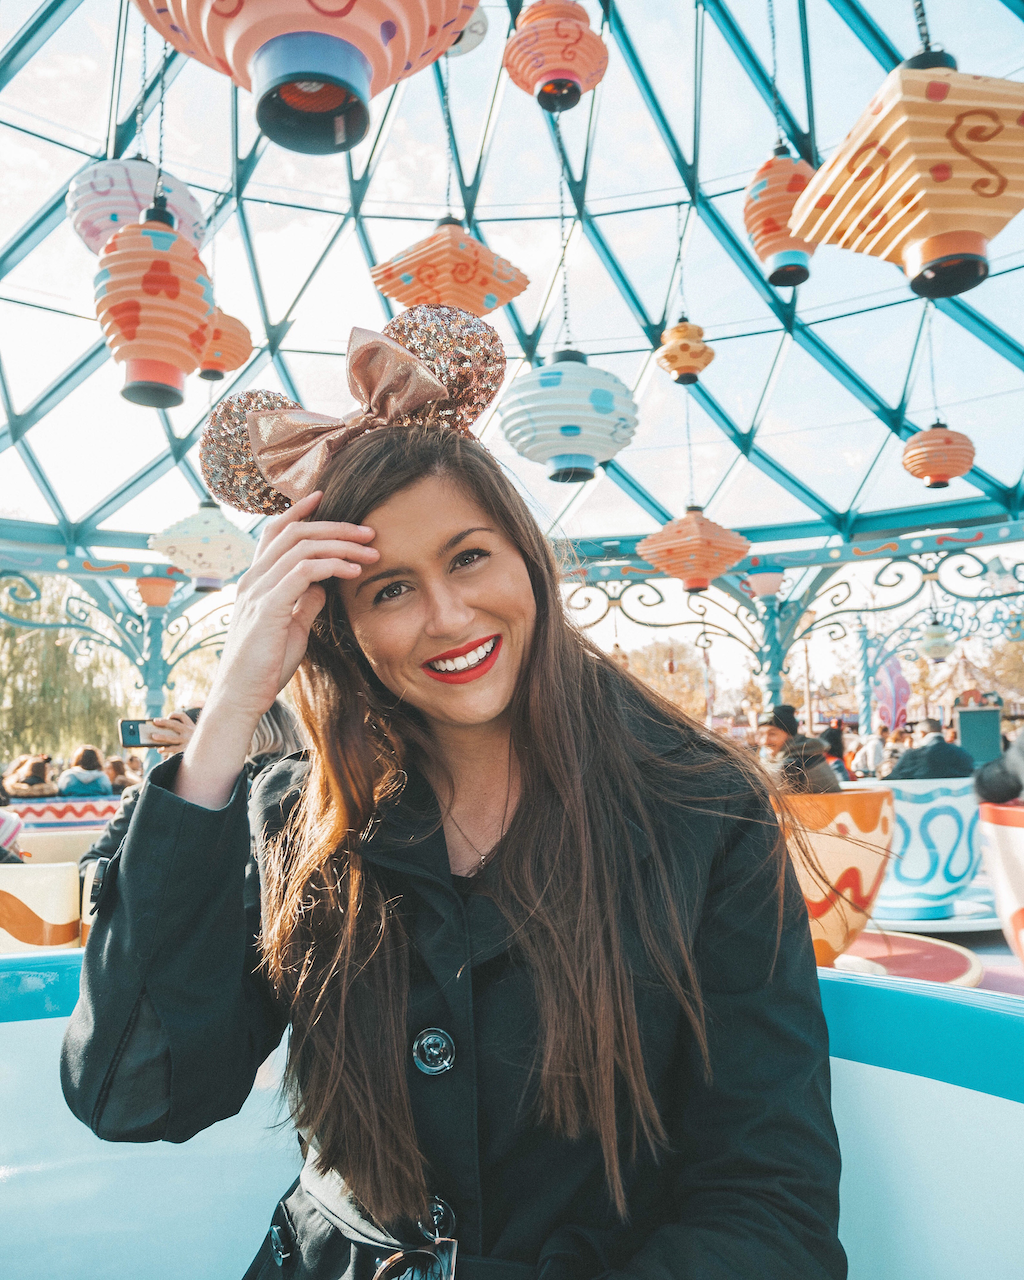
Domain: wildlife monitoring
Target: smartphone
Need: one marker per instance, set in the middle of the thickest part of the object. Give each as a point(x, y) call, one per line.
point(136, 733)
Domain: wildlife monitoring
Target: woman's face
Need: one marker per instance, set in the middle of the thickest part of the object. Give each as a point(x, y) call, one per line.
point(445, 617)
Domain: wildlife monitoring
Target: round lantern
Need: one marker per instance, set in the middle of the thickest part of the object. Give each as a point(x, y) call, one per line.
point(768, 203)
point(156, 592)
point(765, 582)
point(684, 354)
point(568, 415)
point(229, 347)
point(937, 455)
point(554, 55)
point(154, 301)
point(471, 36)
point(925, 178)
point(206, 545)
point(693, 549)
point(312, 67)
point(450, 268)
point(936, 643)
point(107, 195)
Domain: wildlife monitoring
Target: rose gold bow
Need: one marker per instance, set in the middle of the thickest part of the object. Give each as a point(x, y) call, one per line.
point(293, 447)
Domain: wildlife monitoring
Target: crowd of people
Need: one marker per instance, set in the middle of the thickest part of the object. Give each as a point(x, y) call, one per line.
point(801, 763)
point(88, 773)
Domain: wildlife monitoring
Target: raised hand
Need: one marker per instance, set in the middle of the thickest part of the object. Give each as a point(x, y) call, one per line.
point(278, 598)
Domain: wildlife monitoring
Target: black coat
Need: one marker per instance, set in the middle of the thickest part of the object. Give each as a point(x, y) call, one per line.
point(173, 1022)
point(939, 759)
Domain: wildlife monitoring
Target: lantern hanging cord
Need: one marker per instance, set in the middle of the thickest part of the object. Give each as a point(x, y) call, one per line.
point(446, 112)
point(922, 24)
point(566, 326)
point(691, 501)
point(140, 109)
point(931, 361)
point(159, 190)
point(682, 226)
point(775, 76)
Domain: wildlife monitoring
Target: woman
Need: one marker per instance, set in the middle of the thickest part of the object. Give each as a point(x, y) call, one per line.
point(548, 974)
point(833, 741)
point(30, 778)
point(118, 775)
point(85, 777)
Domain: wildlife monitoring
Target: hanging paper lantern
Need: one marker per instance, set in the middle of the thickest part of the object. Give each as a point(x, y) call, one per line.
point(936, 643)
point(107, 195)
point(937, 455)
point(156, 592)
point(312, 67)
point(765, 582)
point(683, 352)
point(693, 549)
point(568, 415)
point(927, 176)
point(450, 268)
point(206, 545)
point(228, 348)
point(154, 301)
point(471, 36)
point(554, 55)
point(768, 203)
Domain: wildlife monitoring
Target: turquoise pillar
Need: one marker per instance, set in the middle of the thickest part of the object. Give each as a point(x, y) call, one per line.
point(773, 654)
point(864, 677)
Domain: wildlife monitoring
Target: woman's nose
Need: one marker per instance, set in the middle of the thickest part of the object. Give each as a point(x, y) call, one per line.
point(448, 614)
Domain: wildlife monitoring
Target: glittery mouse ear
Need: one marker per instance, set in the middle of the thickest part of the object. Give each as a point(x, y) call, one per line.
point(460, 349)
point(225, 454)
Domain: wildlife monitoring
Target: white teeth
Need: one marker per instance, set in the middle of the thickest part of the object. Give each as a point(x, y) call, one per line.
point(467, 660)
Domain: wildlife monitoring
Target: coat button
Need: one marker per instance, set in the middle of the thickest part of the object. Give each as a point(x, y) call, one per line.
point(433, 1051)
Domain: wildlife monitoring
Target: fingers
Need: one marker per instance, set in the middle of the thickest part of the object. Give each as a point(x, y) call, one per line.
point(349, 555)
point(285, 530)
point(309, 605)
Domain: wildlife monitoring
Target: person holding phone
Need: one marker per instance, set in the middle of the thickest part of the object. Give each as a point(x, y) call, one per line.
point(545, 963)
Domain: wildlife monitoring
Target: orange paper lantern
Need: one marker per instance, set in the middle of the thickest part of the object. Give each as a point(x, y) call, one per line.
point(937, 455)
point(930, 173)
point(683, 352)
point(693, 549)
point(554, 55)
point(154, 301)
point(768, 203)
point(229, 347)
point(156, 592)
point(312, 65)
point(450, 268)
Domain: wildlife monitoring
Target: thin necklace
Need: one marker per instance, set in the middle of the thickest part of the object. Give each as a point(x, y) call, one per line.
point(504, 815)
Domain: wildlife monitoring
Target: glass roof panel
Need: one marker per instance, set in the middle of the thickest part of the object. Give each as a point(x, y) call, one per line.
point(91, 443)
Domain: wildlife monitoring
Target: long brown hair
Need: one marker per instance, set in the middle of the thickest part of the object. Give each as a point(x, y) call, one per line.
point(581, 853)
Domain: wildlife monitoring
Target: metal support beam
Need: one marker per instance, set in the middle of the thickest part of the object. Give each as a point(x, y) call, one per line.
point(27, 42)
point(51, 215)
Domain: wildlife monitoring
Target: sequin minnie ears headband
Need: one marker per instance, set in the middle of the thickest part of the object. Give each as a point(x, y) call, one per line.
point(432, 366)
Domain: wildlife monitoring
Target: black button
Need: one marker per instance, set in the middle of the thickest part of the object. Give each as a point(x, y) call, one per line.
point(433, 1051)
point(441, 1221)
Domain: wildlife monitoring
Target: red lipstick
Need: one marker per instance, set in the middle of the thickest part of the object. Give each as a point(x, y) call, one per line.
point(472, 673)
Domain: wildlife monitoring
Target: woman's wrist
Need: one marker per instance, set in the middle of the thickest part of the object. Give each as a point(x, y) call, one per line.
point(216, 754)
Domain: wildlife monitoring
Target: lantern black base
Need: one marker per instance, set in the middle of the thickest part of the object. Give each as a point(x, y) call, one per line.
point(789, 276)
point(937, 484)
point(684, 379)
point(312, 92)
point(946, 277)
point(211, 375)
point(571, 468)
point(153, 395)
point(558, 95)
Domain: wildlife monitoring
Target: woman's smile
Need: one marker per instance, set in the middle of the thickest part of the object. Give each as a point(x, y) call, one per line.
point(470, 662)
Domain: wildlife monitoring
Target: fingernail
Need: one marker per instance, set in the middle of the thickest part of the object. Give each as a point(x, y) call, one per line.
point(365, 528)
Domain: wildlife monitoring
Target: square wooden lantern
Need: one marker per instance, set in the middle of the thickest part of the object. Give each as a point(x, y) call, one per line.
point(931, 172)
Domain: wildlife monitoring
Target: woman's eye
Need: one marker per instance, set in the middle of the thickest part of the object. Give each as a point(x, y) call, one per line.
point(391, 592)
point(468, 557)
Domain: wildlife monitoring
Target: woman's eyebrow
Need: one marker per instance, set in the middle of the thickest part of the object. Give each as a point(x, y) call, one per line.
point(454, 542)
point(400, 569)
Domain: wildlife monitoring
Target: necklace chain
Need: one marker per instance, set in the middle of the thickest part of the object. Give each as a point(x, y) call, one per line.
point(504, 819)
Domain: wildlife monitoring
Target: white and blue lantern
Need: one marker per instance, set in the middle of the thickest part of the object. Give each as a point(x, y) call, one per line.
point(569, 416)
